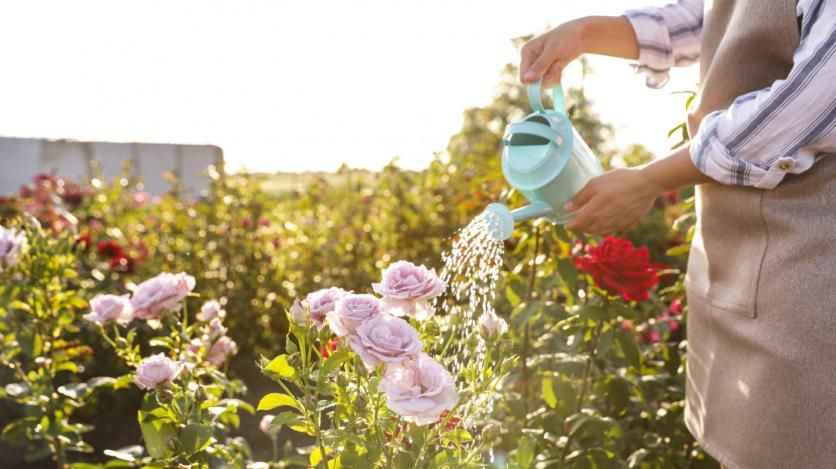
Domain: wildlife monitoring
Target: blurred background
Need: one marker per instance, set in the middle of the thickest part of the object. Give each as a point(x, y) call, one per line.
point(280, 86)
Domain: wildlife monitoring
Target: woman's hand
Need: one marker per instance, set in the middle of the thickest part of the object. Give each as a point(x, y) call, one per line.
point(612, 202)
point(546, 55)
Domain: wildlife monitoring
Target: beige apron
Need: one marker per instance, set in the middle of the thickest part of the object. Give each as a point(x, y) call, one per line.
point(761, 379)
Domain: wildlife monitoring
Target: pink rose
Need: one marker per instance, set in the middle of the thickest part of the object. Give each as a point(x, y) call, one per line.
point(109, 308)
point(420, 390)
point(157, 370)
point(492, 326)
point(322, 302)
point(215, 330)
point(385, 339)
point(12, 243)
point(222, 349)
point(211, 310)
point(351, 310)
point(161, 293)
point(406, 288)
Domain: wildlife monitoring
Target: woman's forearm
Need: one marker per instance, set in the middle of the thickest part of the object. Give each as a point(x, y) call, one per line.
point(674, 172)
point(609, 35)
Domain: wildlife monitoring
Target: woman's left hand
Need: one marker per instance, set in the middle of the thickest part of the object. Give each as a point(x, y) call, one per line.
point(612, 202)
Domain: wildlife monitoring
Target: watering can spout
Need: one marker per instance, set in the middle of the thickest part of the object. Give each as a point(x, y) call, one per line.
point(500, 219)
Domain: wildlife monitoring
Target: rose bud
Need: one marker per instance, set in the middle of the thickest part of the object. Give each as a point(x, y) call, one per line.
point(298, 314)
point(492, 326)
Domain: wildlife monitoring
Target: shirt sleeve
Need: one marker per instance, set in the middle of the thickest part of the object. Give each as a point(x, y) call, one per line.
point(783, 128)
point(668, 37)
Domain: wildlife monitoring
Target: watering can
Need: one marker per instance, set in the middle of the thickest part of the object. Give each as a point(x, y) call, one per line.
point(544, 159)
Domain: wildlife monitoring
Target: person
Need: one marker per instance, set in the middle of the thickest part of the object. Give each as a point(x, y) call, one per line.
point(760, 385)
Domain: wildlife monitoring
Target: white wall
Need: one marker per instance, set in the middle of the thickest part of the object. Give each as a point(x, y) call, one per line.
point(22, 158)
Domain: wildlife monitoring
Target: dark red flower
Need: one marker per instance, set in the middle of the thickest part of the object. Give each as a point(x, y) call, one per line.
point(676, 305)
point(329, 347)
point(83, 240)
point(110, 249)
point(619, 268)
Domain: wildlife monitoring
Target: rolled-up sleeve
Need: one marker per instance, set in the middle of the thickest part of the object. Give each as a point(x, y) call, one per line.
point(668, 37)
point(766, 134)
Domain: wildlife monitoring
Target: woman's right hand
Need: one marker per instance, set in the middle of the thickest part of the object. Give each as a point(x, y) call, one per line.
point(546, 55)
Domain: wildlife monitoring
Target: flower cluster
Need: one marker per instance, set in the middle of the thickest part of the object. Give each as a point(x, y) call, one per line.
point(417, 387)
point(149, 301)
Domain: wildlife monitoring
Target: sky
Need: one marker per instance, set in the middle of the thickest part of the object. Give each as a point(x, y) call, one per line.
point(293, 85)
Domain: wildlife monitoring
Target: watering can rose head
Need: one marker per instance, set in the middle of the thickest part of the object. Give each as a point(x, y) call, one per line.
point(407, 288)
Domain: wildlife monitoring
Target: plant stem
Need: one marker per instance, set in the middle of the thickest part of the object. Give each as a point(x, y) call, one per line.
point(593, 353)
point(527, 333)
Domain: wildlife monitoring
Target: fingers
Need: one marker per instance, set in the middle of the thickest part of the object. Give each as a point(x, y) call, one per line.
point(552, 76)
point(543, 62)
point(530, 51)
point(582, 197)
point(586, 218)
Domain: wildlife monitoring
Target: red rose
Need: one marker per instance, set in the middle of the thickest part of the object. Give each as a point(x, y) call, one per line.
point(329, 347)
point(619, 268)
point(110, 249)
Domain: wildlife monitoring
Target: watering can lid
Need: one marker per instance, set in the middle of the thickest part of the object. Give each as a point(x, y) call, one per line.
point(533, 166)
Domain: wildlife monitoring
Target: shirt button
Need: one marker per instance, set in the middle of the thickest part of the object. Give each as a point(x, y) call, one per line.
point(784, 165)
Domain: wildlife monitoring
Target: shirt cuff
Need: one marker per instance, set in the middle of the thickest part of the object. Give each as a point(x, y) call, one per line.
point(653, 61)
point(714, 159)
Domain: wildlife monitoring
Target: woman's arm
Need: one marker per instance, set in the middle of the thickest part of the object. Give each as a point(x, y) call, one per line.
point(659, 38)
point(614, 201)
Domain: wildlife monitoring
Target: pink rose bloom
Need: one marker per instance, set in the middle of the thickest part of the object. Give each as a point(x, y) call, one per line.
point(322, 302)
point(385, 339)
point(420, 390)
point(492, 326)
point(221, 350)
point(109, 308)
point(161, 293)
point(211, 310)
point(351, 311)
point(215, 329)
point(157, 370)
point(12, 243)
point(406, 289)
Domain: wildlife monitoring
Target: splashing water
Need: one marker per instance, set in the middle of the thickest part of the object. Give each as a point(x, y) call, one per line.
point(471, 270)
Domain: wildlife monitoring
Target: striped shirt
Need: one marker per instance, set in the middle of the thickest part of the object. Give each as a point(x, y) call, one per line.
point(765, 134)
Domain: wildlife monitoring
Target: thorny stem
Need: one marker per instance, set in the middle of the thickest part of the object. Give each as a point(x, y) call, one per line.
point(526, 334)
point(593, 353)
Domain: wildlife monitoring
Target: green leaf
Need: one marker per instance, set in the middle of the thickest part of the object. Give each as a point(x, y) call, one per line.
point(523, 313)
point(196, 437)
point(629, 348)
point(317, 456)
point(548, 393)
point(678, 250)
point(155, 433)
point(525, 452)
point(274, 399)
point(569, 274)
point(333, 361)
point(281, 367)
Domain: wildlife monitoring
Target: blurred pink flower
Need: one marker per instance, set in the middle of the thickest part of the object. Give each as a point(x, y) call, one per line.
point(419, 389)
point(385, 339)
point(163, 292)
point(157, 370)
point(406, 289)
point(222, 349)
point(12, 244)
point(211, 310)
point(109, 308)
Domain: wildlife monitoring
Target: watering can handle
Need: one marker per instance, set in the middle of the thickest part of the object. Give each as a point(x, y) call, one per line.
point(535, 99)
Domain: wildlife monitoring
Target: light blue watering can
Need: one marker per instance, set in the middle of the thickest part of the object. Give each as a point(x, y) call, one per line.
point(545, 159)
